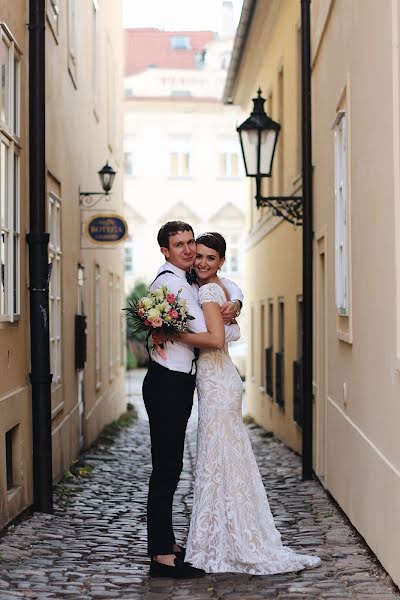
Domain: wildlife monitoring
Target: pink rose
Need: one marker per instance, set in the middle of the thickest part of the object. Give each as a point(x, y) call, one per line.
point(140, 312)
point(170, 298)
point(156, 322)
point(173, 313)
point(147, 322)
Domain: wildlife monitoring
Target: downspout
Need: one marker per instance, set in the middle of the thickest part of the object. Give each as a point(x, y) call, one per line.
point(307, 439)
point(38, 239)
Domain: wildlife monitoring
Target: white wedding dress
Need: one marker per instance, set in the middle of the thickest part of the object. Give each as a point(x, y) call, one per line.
point(232, 528)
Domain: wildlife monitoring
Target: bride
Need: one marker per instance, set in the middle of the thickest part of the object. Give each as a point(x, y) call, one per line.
point(232, 528)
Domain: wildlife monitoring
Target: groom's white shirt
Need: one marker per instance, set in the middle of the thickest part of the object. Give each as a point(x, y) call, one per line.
point(180, 356)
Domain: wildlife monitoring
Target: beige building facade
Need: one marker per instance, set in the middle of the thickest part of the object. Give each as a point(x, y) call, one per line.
point(83, 131)
point(356, 152)
point(356, 140)
point(182, 155)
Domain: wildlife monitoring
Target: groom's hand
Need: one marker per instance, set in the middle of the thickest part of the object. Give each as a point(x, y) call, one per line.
point(159, 337)
point(229, 311)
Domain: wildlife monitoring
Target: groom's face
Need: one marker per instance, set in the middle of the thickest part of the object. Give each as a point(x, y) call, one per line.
point(182, 250)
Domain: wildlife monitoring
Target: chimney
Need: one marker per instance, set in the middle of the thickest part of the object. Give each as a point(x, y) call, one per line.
point(227, 20)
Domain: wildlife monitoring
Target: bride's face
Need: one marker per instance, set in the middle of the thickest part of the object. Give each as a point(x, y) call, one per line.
point(207, 262)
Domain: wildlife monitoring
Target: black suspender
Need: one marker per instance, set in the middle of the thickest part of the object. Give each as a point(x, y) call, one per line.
point(162, 273)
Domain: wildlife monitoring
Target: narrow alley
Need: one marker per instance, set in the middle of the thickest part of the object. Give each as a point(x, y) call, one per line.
point(94, 546)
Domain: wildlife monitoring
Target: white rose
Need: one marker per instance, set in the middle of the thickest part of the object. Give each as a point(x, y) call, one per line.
point(159, 294)
point(164, 307)
point(153, 313)
point(147, 302)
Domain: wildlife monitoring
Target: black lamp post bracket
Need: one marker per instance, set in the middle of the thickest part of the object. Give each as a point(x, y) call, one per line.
point(89, 199)
point(290, 208)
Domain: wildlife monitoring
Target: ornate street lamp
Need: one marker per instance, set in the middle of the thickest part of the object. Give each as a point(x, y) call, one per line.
point(107, 175)
point(258, 138)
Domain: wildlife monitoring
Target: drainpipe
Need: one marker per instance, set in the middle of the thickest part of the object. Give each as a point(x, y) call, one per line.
point(307, 454)
point(38, 240)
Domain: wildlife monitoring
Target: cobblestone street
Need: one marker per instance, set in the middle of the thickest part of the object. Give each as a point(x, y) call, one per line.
point(94, 546)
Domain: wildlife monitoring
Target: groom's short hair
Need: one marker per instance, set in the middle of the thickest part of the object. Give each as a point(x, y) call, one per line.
point(171, 228)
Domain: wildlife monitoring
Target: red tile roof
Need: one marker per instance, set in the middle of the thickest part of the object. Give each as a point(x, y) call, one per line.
point(144, 47)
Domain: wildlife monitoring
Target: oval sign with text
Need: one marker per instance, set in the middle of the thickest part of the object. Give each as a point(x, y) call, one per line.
point(107, 229)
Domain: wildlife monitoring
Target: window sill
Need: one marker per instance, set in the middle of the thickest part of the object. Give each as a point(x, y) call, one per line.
point(343, 336)
point(344, 331)
point(13, 492)
point(72, 72)
point(7, 320)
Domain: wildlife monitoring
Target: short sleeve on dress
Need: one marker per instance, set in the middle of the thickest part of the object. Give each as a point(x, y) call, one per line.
point(211, 292)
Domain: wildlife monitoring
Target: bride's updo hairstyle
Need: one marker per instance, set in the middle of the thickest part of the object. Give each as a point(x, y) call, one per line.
point(213, 240)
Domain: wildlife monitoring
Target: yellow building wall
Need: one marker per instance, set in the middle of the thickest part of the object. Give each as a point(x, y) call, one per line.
point(15, 400)
point(83, 131)
point(274, 247)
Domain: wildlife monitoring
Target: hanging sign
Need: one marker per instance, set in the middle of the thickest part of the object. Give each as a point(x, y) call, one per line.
point(106, 229)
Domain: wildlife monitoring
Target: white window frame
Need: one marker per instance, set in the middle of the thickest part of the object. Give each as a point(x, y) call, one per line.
point(129, 149)
point(55, 290)
point(117, 308)
point(113, 102)
point(180, 146)
point(233, 246)
point(228, 158)
point(72, 41)
point(10, 285)
point(129, 250)
point(95, 56)
point(111, 325)
point(263, 368)
point(97, 324)
point(341, 214)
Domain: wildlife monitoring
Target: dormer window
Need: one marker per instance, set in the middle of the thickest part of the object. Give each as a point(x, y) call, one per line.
point(180, 42)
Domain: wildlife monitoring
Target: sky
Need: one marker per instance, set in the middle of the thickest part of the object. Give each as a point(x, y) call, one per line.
point(176, 15)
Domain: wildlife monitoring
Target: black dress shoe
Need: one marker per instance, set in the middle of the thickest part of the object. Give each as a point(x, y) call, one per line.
point(181, 553)
point(181, 570)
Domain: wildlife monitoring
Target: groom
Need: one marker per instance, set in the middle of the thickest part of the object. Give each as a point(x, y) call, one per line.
point(168, 396)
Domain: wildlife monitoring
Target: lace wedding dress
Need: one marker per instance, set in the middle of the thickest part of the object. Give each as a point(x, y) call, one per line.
point(232, 528)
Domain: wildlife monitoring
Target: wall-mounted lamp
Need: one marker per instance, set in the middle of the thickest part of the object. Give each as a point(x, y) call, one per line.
point(258, 138)
point(106, 174)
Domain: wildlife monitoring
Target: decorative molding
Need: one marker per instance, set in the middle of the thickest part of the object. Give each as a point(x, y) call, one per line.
point(228, 212)
point(180, 212)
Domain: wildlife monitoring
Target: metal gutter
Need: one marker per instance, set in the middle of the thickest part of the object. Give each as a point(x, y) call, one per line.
point(38, 239)
point(243, 29)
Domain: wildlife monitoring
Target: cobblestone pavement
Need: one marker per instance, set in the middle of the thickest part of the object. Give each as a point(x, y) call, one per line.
point(94, 544)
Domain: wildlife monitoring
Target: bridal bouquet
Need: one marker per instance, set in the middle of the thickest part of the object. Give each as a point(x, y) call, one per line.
point(159, 311)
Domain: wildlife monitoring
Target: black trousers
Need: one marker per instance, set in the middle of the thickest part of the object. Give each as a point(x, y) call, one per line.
point(168, 397)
